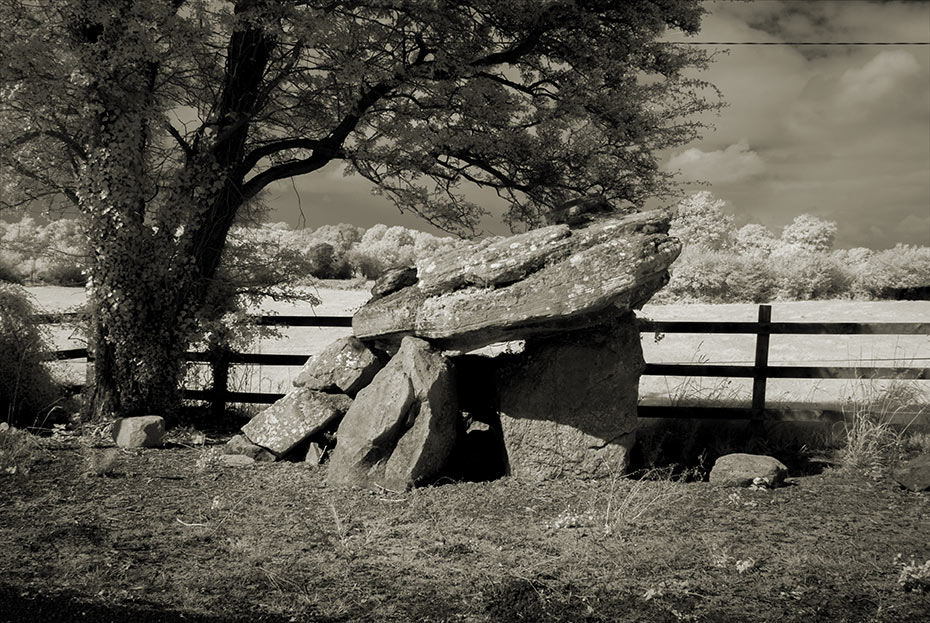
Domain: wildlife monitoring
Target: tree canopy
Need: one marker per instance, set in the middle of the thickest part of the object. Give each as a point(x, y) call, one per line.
point(164, 120)
point(541, 101)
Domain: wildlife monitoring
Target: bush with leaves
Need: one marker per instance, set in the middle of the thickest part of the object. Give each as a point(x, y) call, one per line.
point(809, 276)
point(718, 276)
point(27, 392)
point(886, 272)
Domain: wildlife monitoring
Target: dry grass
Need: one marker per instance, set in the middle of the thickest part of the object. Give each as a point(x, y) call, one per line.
point(171, 535)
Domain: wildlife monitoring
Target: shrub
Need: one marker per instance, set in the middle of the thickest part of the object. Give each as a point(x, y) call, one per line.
point(9, 274)
point(706, 275)
point(887, 272)
point(811, 276)
point(27, 391)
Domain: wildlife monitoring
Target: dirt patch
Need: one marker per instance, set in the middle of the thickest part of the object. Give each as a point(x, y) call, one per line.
point(169, 534)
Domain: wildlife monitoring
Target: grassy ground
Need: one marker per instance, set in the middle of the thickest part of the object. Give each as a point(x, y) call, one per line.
point(90, 533)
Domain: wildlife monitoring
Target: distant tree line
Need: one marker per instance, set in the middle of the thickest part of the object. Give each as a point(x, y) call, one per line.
point(259, 256)
point(720, 263)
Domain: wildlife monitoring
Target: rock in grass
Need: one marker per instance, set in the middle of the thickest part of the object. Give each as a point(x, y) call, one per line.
point(236, 460)
point(144, 431)
point(401, 430)
point(345, 366)
point(241, 445)
point(301, 414)
point(743, 470)
point(914, 474)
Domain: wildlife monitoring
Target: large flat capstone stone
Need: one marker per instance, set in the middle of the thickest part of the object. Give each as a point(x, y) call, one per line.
point(568, 404)
point(300, 414)
point(544, 281)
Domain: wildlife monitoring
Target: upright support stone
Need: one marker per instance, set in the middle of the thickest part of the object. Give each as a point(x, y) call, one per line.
point(568, 404)
point(400, 431)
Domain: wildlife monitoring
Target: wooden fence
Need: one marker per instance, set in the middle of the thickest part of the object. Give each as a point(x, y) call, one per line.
point(760, 372)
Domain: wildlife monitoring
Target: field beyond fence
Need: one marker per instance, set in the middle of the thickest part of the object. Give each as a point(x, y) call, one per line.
point(760, 372)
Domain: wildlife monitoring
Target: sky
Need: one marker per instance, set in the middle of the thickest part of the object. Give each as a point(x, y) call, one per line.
point(840, 132)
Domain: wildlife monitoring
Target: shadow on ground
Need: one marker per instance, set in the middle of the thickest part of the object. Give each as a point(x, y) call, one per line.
point(61, 607)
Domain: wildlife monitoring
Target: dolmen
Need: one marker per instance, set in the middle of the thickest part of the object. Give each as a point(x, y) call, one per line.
point(515, 355)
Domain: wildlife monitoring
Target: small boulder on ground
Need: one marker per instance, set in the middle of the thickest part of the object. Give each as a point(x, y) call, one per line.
point(299, 415)
point(345, 366)
point(241, 445)
point(236, 460)
point(145, 431)
point(914, 474)
point(744, 470)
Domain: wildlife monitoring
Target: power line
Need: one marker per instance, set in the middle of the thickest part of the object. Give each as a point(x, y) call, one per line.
point(801, 42)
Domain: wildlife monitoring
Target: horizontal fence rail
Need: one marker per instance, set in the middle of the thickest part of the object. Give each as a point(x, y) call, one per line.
point(219, 396)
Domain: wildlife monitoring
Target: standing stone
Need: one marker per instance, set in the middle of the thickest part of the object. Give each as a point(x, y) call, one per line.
point(145, 431)
point(400, 431)
point(568, 404)
point(345, 366)
point(300, 414)
point(743, 470)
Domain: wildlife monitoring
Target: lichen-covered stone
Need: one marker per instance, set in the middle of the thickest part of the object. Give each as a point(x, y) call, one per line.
point(568, 404)
point(545, 281)
point(400, 431)
point(394, 279)
point(300, 414)
point(744, 470)
point(345, 366)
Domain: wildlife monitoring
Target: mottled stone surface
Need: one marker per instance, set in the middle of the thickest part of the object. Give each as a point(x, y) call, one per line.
point(401, 429)
point(300, 414)
point(345, 366)
point(568, 404)
point(145, 431)
point(545, 281)
point(743, 470)
point(394, 279)
point(236, 460)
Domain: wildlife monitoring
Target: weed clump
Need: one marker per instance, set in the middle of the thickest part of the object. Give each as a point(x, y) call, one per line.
point(27, 391)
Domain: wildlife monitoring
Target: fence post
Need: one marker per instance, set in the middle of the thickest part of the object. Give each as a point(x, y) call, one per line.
point(219, 365)
point(762, 362)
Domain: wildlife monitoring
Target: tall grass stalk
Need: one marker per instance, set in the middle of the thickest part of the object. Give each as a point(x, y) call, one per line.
point(878, 422)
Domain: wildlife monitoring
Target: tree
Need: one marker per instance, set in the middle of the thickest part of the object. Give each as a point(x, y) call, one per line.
point(161, 119)
point(700, 220)
point(755, 239)
point(808, 233)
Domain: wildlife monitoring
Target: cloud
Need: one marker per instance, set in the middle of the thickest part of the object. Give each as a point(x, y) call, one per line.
point(736, 163)
point(861, 86)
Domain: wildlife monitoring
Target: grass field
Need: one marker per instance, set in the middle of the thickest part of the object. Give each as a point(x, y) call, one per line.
point(90, 533)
